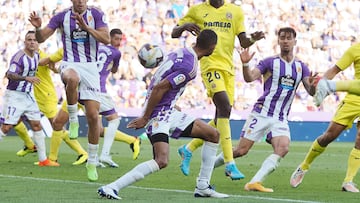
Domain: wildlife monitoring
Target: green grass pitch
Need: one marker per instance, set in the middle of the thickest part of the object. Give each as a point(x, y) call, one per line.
point(21, 181)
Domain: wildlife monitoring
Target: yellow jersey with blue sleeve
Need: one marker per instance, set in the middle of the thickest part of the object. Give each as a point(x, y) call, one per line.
point(44, 92)
point(227, 22)
point(351, 56)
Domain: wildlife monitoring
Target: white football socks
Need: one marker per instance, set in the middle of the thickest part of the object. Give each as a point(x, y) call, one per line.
point(136, 174)
point(208, 155)
point(268, 166)
point(109, 136)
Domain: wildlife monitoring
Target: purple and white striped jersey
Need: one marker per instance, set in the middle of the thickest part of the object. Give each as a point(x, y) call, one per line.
point(179, 67)
point(281, 79)
point(108, 57)
point(79, 45)
point(23, 65)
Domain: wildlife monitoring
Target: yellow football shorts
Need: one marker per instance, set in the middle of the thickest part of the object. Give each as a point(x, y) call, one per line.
point(218, 81)
point(346, 113)
point(48, 106)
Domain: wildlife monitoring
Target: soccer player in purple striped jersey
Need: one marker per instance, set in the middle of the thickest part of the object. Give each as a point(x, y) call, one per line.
point(19, 99)
point(82, 29)
point(282, 75)
point(108, 59)
point(162, 120)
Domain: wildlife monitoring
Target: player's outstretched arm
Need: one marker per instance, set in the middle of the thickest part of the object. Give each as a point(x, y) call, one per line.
point(193, 28)
point(250, 74)
point(40, 34)
point(246, 42)
point(155, 97)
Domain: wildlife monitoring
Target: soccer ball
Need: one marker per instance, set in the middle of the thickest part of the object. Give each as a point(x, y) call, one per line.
point(150, 55)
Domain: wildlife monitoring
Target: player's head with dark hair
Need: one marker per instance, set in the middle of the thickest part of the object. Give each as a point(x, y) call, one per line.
point(30, 42)
point(115, 31)
point(29, 32)
point(287, 30)
point(286, 39)
point(206, 41)
point(115, 37)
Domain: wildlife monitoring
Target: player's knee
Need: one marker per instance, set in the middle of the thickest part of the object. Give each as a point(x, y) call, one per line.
point(282, 151)
point(214, 136)
point(223, 110)
point(57, 125)
point(6, 128)
point(162, 163)
point(70, 78)
point(92, 118)
point(325, 139)
point(36, 126)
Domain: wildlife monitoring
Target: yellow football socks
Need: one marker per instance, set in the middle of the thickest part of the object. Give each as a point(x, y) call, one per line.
point(223, 126)
point(55, 142)
point(73, 144)
point(21, 130)
point(350, 86)
point(315, 150)
point(123, 137)
point(353, 165)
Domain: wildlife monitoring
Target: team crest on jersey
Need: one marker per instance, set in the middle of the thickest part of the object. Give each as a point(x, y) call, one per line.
point(179, 79)
point(228, 15)
point(298, 69)
point(90, 18)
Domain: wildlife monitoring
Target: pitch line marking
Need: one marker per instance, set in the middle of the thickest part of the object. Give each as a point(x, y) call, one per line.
point(154, 189)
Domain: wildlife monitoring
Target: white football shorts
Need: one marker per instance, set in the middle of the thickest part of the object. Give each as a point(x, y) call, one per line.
point(17, 104)
point(171, 122)
point(89, 87)
point(257, 126)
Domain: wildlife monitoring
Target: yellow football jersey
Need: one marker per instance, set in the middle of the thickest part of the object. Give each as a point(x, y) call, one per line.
point(351, 55)
point(45, 90)
point(228, 22)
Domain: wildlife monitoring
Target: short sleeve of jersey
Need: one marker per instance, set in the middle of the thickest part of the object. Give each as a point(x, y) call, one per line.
point(264, 65)
point(14, 67)
point(239, 23)
point(100, 18)
point(189, 16)
point(305, 70)
point(56, 21)
point(15, 63)
point(117, 58)
point(181, 75)
point(347, 58)
point(57, 56)
point(178, 79)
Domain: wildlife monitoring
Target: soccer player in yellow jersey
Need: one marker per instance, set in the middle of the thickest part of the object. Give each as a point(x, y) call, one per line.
point(47, 100)
point(347, 112)
point(217, 70)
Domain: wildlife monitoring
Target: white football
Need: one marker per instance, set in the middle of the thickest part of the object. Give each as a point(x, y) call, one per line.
point(150, 55)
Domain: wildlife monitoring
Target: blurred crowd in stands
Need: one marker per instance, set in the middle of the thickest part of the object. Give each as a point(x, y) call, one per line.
point(325, 28)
